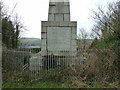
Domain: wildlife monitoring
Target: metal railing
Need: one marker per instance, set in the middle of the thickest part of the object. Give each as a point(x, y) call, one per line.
point(24, 60)
point(47, 60)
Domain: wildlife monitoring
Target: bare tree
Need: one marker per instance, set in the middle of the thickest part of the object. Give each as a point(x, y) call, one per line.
point(95, 32)
point(107, 22)
point(82, 38)
point(11, 27)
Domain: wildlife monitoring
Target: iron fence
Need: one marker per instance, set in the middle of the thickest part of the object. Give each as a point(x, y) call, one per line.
point(32, 63)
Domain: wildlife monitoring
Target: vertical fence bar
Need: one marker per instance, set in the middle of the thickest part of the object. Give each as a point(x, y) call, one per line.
point(65, 58)
point(48, 61)
point(51, 60)
point(37, 62)
point(58, 60)
point(39, 54)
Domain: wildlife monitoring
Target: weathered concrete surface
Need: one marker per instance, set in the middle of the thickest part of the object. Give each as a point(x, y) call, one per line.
point(58, 38)
point(59, 11)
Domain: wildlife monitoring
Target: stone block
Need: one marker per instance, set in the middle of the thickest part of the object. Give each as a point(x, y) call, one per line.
point(67, 3)
point(73, 42)
point(52, 3)
point(51, 17)
point(54, 24)
point(43, 29)
point(50, 23)
point(59, 17)
point(66, 24)
point(74, 36)
point(53, 9)
point(59, 8)
point(66, 9)
point(74, 30)
point(43, 23)
point(43, 42)
point(43, 36)
point(73, 24)
point(63, 9)
point(67, 17)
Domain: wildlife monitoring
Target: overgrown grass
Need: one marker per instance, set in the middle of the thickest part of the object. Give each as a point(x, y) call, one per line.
point(96, 85)
point(57, 78)
point(31, 85)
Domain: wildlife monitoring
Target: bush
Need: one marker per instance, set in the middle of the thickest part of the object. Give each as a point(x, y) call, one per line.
point(99, 65)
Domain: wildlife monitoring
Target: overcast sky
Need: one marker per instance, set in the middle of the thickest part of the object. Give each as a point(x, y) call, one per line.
point(32, 12)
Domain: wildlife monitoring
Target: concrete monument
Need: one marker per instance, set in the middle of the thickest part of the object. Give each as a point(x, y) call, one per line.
point(58, 38)
point(59, 33)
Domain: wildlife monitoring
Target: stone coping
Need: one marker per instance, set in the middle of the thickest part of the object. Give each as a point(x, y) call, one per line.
point(59, 23)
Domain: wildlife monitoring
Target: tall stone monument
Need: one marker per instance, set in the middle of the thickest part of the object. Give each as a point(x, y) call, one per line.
point(59, 33)
point(58, 36)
